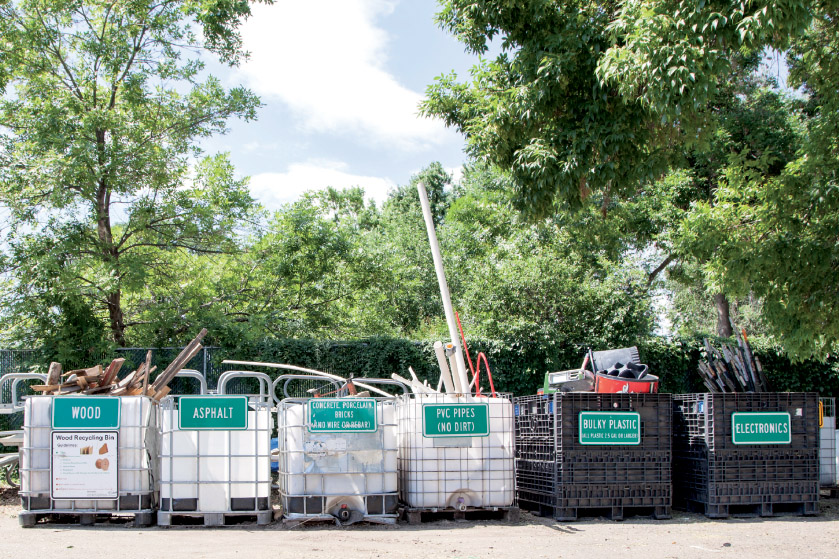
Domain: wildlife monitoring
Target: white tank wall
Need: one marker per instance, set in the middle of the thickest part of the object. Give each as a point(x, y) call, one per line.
point(138, 445)
point(336, 464)
point(827, 453)
point(434, 476)
point(215, 466)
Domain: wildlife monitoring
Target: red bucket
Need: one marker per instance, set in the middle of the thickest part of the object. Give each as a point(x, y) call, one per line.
point(615, 385)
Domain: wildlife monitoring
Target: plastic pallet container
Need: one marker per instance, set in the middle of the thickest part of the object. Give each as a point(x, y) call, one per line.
point(719, 478)
point(557, 474)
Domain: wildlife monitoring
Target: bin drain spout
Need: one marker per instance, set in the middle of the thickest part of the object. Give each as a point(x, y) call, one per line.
point(461, 504)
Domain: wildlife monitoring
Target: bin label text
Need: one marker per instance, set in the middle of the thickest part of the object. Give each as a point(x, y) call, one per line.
point(216, 413)
point(85, 413)
point(84, 465)
point(455, 420)
point(342, 415)
point(761, 428)
point(610, 428)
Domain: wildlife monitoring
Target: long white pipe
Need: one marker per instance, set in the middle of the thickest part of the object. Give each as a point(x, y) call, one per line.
point(304, 370)
point(461, 379)
point(445, 374)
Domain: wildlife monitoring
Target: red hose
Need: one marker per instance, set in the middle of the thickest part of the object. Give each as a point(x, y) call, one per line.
point(476, 375)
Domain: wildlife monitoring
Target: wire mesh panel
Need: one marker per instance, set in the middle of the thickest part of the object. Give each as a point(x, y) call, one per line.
point(456, 452)
point(717, 467)
point(137, 448)
point(337, 458)
point(214, 469)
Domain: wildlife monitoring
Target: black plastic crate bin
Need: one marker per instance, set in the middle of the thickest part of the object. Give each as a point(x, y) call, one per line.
point(718, 477)
point(557, 474)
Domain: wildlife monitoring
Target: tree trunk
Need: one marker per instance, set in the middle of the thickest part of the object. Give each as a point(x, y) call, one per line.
point(110, 254)
point(723, 316)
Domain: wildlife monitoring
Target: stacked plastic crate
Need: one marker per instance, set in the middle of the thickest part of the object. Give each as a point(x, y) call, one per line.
point(754, 453)
point(585, 453)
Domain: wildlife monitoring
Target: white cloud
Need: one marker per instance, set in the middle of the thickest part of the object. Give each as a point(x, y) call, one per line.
point(325, 60)
point(273, 190)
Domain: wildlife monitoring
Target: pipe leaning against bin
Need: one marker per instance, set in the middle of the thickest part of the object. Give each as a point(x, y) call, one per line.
point(461, 379)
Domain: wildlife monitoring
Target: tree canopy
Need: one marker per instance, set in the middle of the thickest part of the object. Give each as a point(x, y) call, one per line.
point(104, 105)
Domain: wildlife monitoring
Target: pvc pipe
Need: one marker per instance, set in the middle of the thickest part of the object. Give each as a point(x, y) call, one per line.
point(461, 379)
point(304, 370)
point(445, 373)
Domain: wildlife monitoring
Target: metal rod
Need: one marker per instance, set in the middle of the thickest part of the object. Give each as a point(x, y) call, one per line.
point(461, 379)
point(303, 370)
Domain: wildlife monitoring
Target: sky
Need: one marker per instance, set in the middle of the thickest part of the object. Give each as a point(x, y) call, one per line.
point(340, 81)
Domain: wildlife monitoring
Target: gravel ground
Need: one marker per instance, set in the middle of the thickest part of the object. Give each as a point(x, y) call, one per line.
point(685, 536)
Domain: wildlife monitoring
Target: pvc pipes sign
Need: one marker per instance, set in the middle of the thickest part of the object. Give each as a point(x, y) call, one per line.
point(81, 413)
point(761, 428)
point(213, 413)
point(84, 465)
point(342, 415)
point(455, 420)
point(610, 428)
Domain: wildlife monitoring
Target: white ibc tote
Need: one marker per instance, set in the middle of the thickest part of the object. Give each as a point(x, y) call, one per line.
point(828, 471)
point(215, 456)
point(456, 451)
point(337, 456)
point(57, 480)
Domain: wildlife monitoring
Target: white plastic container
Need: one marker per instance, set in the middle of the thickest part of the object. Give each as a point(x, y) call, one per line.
point(207, 469)
point(135, 456)
point(344, 473)
point(457, 469)
point(828, 467)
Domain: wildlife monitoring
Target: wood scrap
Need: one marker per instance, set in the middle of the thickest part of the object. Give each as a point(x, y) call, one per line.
point(148, 373)
point(53, 375)
point(184, 357)
point(105, 381)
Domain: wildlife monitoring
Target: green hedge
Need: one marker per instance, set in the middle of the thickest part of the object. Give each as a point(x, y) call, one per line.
point(519, 368)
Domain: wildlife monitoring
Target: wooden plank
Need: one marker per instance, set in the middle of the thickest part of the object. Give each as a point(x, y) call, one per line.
point(161, 393)
point(190, 351)
point(112, 371)
point(148, 373)
point(54, 374)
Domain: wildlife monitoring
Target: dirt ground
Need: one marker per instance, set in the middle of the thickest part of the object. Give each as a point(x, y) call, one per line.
point(685, 536)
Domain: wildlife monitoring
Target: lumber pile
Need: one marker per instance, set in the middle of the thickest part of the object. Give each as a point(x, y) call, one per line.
point(732, 368)
point(106, 382)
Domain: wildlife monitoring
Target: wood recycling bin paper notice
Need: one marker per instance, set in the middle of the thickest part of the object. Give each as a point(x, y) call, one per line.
point(84, 465)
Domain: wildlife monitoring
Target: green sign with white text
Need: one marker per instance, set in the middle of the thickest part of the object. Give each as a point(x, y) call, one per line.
point(455, 420)
point(80, 413)
point(610, 428)
point(342, 415)
point(761, 428)
point(215, 413)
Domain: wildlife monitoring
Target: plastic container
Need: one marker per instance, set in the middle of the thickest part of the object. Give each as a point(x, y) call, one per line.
point(827, 444)
point(215, 456)
point(746, 452)
point(580, 451)
point(63, 468)
point(337, 456)
point(456, 452)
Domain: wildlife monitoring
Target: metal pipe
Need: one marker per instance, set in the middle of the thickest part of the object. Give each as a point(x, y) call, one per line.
point(445, 374)
point(303, 370)
point(461, 379)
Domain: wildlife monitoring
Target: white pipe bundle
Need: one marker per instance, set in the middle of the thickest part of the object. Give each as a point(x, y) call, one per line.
point(461, 379)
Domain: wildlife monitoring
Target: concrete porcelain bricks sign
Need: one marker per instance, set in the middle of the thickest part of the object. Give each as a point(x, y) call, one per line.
point(342, 415)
